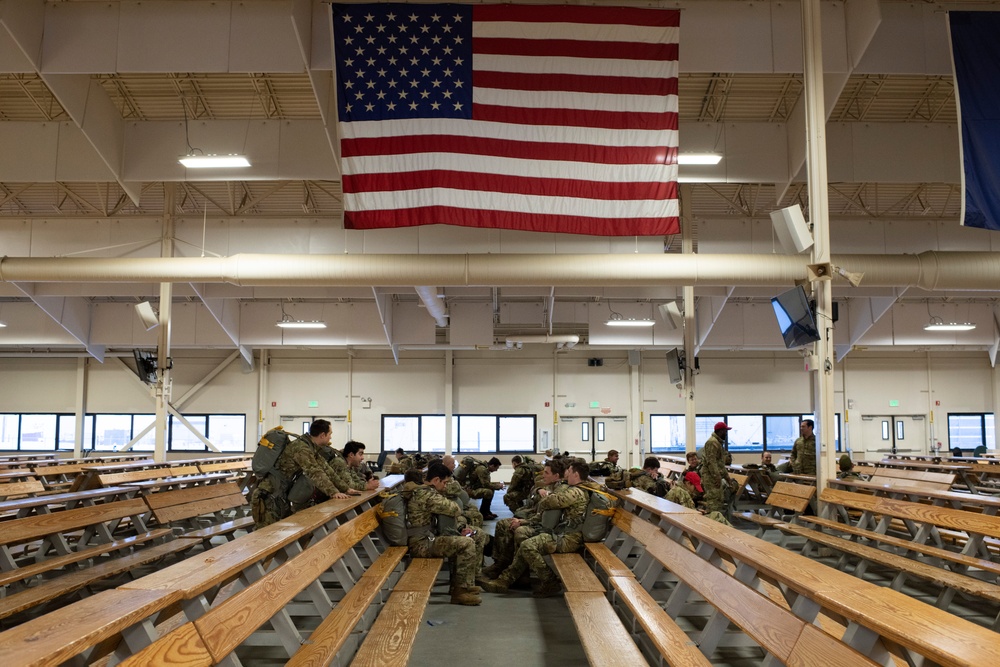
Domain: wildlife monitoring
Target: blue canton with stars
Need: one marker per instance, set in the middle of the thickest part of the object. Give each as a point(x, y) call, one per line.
point(403, 61)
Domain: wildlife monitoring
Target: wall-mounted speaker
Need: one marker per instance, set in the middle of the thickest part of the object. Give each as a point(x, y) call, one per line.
point(791, 229)
point(670, 313)
point(592, 362)
point(634, 357)
point(145, 312)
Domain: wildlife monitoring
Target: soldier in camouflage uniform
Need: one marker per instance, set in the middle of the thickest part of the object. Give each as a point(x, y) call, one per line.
point(347, 465)
point(454, 491)
point(425, 502)
point(803, 456)
point(480, 486)
point(566, 537)
point(269, 502)
point(649, 479)
point(713, 467)
point(401, 464)
point(847, 471)
point(509, 533)
point(521, 482)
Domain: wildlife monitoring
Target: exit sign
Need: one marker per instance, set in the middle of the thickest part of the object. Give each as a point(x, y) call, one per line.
point(313, 404)
point(893, 404)
point(595, 404)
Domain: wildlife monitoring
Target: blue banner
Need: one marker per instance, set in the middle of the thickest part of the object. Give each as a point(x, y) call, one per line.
point(975, 46)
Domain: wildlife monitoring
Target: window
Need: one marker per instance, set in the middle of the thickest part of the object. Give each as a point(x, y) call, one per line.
point(471, 434)
point(970, 430)
point(750, 433)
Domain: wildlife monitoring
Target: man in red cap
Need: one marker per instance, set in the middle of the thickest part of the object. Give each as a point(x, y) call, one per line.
point(713, 467)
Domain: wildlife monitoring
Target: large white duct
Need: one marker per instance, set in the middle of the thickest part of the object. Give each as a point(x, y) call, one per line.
point(435, 306)
point(930, 270)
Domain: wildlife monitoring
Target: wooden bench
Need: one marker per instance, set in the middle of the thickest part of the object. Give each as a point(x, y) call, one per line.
point(201, 509)
point(210, 638)
point(129, 620)
point(880, 623)
point(773, 626)
point(74, 536)
point(28, 487)
point(146, 474)
point(605, 640)
point(785, 499)
point(49, 502)
point(903, 478)
point(390, 640)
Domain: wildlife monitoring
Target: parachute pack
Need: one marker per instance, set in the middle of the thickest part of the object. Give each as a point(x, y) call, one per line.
point(622, 479)
point(600, 509)
point(465, 469)
point(269, 449)
point(391, 514)
point(601, 468)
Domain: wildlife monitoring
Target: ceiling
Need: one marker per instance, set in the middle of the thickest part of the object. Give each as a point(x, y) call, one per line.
point(97, 100)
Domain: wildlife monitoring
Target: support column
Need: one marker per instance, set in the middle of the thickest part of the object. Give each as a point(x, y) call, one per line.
point(163, 381)
point(82, 368)
point(819, 216)
point(690, 326)
point(449, 398)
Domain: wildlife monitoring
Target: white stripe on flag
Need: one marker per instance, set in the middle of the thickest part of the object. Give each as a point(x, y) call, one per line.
point(585, 32)
point(533, 99)
point(598, 67)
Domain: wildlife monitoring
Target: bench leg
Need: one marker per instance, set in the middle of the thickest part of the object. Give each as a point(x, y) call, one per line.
point(867, 642)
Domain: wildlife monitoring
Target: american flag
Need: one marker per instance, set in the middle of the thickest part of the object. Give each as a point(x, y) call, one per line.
point(540, 118)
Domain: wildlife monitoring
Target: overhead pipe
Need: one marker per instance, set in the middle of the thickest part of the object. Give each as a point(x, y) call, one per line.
point(931, 270)
point(567, 340)
point(435, 306)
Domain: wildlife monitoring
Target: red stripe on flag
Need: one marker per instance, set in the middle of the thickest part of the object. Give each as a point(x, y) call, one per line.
point(521, 185)
point(611, 120)
point(553, 48)
point(576, 83)
point(669, 18)
point(525, 150)
point(534, 222)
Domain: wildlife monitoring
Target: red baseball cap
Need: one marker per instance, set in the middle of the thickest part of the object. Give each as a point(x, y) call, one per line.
point(722, 425)
point(694, 480)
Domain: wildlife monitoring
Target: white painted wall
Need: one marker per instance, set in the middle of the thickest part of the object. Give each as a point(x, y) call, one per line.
point(511, 383)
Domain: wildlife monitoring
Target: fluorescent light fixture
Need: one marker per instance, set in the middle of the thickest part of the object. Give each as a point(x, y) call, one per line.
point(616, 320)
point(301, 324)
point(940, 325)
point(2, 324)
point(699, 158)
point(214, 161)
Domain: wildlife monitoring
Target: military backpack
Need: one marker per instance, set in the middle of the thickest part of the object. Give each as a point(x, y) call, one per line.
point(600, 509)
point(269, 449)
point(465, 469)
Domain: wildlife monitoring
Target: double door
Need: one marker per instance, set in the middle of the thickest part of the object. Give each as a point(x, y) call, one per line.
point(591, 437)
point(892, 434)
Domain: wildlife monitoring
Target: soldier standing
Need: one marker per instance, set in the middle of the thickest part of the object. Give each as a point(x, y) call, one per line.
point(269, 502)
point(804, 450)
point(713, 467)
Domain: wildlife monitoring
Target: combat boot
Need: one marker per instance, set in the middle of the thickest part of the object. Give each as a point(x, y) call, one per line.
point(499, 585)
point(493, 571)
point(454, 589)
point(548, 588)
point(466, 596)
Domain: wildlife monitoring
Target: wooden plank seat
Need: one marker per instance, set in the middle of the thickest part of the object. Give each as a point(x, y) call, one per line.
point(49, 502)
point(27, 487)
point(772, 626)
point(877, 621)
point(172, 483)
point(390, 640)
point(903, 478)
point(785, 500)
point(59, 476)
point(329, 637)
point(194, 507)
point(605, 640)
point(187, 588)
point(210, 638)
point(146, 474)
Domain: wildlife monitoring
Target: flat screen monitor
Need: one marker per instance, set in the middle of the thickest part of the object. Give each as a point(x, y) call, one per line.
point(674, 366)
point(145, 366)
point(795, 318)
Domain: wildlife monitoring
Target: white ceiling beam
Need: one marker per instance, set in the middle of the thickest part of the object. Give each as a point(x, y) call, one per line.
point(227, 313)
point(71, 313)
point(84, 100)
point(862, 314)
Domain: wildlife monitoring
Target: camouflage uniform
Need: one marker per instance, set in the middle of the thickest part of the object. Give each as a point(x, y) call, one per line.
point(480, 486)
point(453, 491)
point(713, 471)
point(423, 504)
point(269, 502)
point(520, 486)
point(401, 466)
point(679, 495)
point(565, 538)
point(646, 482)
point(506, 540)
point(804, 456)
point(850, 474)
